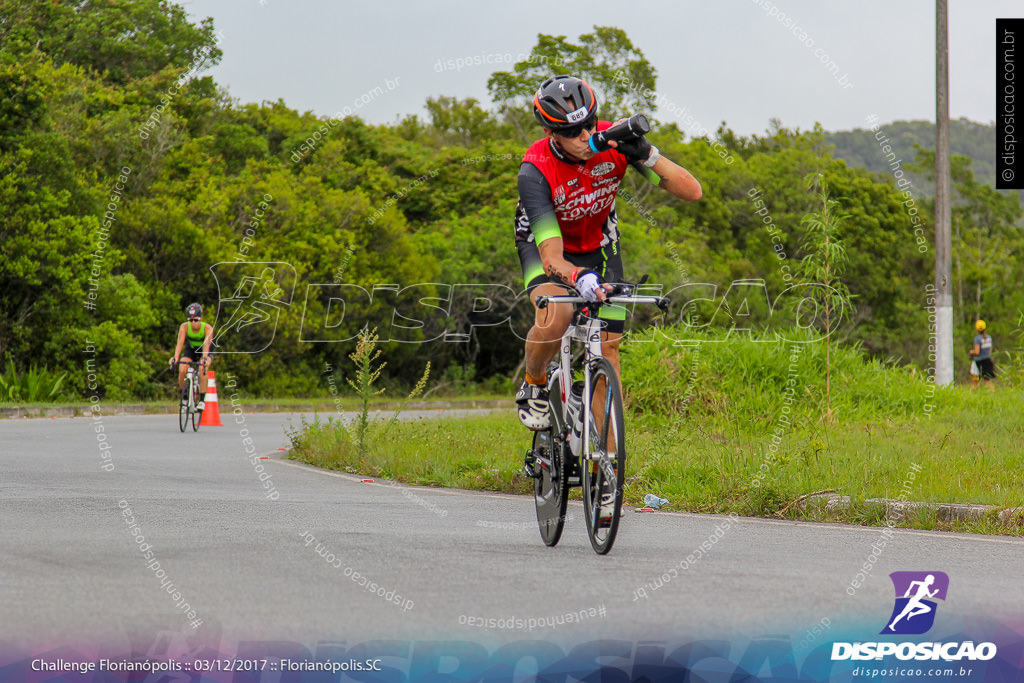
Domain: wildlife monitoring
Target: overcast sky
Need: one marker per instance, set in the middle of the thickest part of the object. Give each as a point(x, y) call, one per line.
point(727, 60)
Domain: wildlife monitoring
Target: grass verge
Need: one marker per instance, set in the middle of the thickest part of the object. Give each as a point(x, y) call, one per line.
point(718, 470)
point(738, 425)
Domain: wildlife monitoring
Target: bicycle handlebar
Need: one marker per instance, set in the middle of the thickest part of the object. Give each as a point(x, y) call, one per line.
point(174, 365)
point(660, 301)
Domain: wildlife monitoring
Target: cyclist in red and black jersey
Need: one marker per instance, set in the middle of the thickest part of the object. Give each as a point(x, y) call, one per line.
point(566, 227)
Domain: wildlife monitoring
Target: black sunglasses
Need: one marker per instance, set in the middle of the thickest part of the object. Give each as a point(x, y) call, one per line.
point(194, 319)
point(575, 131)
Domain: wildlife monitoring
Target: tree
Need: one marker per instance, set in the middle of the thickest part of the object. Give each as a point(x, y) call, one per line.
point(987, 242)
point(121, 39)
point(607, 59)
point(824, 264)
point(46, 262)
point(460, 122)
point(22, 105)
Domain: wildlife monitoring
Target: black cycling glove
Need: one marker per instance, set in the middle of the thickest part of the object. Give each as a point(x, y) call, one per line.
point(635, 150)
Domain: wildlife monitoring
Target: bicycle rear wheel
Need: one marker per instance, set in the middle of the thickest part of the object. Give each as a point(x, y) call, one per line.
point(186, 389)
point(550, 491)
point(604, 458)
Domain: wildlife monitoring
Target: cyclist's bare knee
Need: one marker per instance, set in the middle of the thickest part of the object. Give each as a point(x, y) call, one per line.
point(610, 346)
point(551, 322)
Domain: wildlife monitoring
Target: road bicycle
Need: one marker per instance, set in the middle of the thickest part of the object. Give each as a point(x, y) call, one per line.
point(585, 444)
point(189, 399)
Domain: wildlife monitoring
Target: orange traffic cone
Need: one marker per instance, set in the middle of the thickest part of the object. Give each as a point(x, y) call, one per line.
point(211, 415)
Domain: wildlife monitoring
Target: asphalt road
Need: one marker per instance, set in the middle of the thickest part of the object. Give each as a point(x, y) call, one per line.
point(246, 561)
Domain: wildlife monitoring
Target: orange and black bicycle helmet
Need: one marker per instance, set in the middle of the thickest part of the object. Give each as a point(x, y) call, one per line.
point(565, 102)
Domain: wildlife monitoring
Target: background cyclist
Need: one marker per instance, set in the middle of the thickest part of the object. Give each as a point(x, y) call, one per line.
point(194, 337)
point(566, 226)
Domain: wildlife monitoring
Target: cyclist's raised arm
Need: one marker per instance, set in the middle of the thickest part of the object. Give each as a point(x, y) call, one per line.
point(658, 169)
point(675, 179)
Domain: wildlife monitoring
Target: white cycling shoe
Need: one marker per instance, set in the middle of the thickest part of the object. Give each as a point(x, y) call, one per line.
point(533, 406)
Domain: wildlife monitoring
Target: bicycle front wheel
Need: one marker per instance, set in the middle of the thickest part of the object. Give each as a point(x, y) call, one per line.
point(196, 414)
point(604, 457)
point(183, 404)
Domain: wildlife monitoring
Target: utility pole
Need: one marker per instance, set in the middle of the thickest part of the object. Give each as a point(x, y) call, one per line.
point(943, 339)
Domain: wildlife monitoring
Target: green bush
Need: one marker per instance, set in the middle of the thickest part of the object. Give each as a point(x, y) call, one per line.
point(33, 385)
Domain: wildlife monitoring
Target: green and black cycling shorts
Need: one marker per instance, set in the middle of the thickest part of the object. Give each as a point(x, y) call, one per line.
point(606, 262)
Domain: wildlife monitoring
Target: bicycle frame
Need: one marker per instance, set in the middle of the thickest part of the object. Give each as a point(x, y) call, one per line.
point(191, 377)
point(589, 333)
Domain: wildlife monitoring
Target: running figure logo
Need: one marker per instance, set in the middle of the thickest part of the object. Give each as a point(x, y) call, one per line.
point(914, 612)
point(251, 298)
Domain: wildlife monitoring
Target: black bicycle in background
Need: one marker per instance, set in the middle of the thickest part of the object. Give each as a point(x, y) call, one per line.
point(189, 398)
point(586, 444)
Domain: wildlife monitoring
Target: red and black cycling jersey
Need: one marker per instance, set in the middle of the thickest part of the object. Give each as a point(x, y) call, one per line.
point(573, 200)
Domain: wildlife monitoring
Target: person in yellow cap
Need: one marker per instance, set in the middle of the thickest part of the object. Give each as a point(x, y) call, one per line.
point(982, 353)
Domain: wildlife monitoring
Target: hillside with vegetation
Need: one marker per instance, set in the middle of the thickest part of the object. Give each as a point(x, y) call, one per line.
point(974, 141)
point(132, 184)
point(860, 147)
